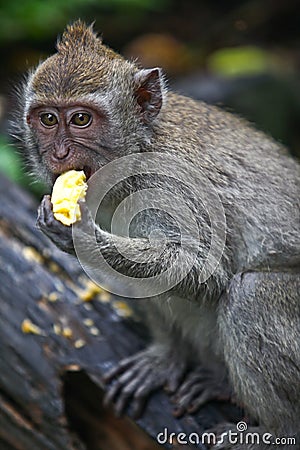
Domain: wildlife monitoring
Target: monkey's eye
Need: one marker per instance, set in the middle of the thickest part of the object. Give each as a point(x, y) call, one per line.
point(48, 119)
point(81, 119)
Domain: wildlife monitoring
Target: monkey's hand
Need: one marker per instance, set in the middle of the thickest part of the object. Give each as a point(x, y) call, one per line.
point(60, 235)
point(139, 375)
point(199, 387)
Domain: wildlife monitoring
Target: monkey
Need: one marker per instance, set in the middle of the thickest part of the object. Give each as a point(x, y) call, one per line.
point(237, 331)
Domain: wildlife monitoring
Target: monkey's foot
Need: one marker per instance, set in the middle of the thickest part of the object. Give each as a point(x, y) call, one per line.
point(199, 387)
point(141, 374)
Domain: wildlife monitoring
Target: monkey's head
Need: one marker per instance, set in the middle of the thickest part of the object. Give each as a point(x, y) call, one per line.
point(86, 105)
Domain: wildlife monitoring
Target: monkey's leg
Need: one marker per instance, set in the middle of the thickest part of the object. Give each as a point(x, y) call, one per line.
point(259, 322)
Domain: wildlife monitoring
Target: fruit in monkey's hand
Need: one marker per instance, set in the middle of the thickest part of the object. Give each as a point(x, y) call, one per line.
point(68, 189)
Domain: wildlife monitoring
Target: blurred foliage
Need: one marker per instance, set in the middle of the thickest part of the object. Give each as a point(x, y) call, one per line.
point(239, 61)
point(12, 165)
point(33, 19)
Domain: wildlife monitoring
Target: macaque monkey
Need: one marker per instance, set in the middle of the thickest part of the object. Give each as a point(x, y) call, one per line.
point(236, 331)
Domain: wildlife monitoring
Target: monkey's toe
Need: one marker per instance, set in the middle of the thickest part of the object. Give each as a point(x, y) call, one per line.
point(136, 377)
point(199, 387)
point(134, 381)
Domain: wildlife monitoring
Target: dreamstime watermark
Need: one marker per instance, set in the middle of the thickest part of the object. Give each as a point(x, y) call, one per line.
point(178, 205)
point(239, 436)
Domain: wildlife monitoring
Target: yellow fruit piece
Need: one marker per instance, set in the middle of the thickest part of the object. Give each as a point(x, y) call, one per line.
point(90, 291)
point(79, 343)
point(67, 332)
point(68, 189)
point(122, 309)
point(28, 327)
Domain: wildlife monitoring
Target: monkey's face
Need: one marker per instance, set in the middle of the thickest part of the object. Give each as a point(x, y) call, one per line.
point(85, 106)
point(69, 137)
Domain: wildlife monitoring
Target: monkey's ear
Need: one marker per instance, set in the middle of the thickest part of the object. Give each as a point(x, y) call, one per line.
point(149, 92)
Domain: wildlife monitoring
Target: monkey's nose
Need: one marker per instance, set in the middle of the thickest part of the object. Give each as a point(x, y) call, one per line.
point(61, 151)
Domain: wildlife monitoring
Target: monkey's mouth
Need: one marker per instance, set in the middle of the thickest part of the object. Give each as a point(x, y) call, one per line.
point(88, 171)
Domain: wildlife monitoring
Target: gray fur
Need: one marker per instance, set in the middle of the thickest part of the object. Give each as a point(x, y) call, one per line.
point(246, 314)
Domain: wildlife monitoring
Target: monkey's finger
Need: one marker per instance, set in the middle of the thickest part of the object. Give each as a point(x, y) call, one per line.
point(132, 373)
point(128, 391)
point(175, 378)
point(138, 407)
point(136, 361)
point(178, 411)
point(86, 215)
point(185, 400)
point(43, 210)
point(120, 368)
point(46, 203)
point(40, 217)
point(85, 211)
point(111, 393)
point(150, 384)
point(122, 403)
point(194, 379)
point(125, 387)
point(173, 383)
point(205, 397)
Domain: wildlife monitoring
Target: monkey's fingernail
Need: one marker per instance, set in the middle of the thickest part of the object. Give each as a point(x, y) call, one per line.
point(191, 408)
point(177, 412)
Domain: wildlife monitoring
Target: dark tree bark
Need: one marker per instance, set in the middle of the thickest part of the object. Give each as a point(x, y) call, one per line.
point(50, 382)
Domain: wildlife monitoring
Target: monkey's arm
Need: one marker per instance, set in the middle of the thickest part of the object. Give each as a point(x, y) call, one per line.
point(136, 257)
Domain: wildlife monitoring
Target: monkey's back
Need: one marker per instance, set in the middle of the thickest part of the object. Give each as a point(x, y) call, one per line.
point(255, 177)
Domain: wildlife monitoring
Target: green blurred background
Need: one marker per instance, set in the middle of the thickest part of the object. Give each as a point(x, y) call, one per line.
point(241, 55)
